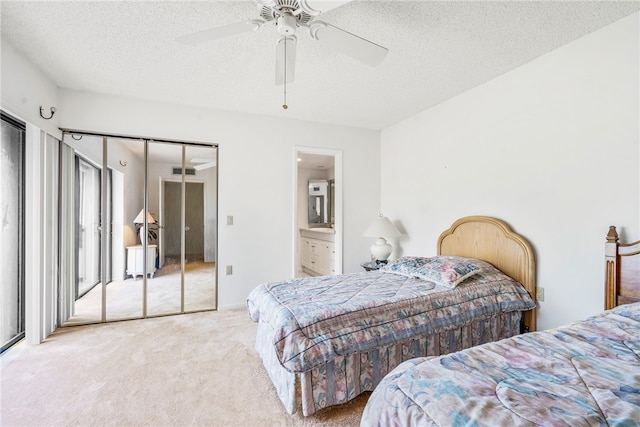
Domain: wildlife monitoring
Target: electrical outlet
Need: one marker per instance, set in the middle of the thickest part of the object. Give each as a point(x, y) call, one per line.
point(540, 293)
point(229, 270)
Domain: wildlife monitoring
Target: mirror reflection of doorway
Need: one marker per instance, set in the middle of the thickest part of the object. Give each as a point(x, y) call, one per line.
point(198, 292)
point(108, 272)
point(194, 221)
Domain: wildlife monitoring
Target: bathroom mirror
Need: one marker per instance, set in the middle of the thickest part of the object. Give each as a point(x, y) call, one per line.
point(319, 207)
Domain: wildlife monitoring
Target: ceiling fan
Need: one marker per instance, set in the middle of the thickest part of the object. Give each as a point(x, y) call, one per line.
point(203, 163)
point(287, 16)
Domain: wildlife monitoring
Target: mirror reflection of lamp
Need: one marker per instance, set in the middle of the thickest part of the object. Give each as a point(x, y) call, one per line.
point(139, 222)
point(381, 227)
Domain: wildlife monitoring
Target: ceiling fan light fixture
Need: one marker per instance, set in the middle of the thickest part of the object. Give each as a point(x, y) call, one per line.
point(287, 25)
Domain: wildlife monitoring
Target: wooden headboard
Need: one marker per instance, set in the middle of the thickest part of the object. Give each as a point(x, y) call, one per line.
point(622, 271)
point(492, 240)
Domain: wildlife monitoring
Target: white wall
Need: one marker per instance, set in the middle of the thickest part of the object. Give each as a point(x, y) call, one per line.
point(25, 88)
point(552, 148)
point(256, 173)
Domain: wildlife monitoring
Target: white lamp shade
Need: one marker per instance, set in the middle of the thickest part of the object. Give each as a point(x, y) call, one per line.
point(140, 218)
point(381, 227)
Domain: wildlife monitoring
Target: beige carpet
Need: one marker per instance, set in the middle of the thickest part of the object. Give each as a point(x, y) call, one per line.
point(124, 297)
point(196, 369)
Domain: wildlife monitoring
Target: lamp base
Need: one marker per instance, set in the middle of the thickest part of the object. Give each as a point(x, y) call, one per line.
point(141, 234)
point(381, 250)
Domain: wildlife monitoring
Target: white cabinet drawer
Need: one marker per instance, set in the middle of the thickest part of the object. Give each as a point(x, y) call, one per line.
point(318, 256)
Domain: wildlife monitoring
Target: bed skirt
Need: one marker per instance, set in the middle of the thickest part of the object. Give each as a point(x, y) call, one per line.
point(346, 376)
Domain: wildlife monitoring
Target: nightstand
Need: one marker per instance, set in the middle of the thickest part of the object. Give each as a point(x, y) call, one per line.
point(372, 265)
point(135, 260)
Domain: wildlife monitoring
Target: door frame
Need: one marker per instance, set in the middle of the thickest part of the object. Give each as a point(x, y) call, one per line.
point(339, 221)
point(162, 180)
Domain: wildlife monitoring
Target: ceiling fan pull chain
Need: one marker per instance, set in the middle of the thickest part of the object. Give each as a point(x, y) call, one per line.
point(285, 106)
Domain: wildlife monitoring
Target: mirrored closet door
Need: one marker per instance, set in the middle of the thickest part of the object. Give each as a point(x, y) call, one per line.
point(139, 227)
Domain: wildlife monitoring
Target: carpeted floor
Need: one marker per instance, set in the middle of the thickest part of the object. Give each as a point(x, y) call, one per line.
point(197, 369)
point(124, 297)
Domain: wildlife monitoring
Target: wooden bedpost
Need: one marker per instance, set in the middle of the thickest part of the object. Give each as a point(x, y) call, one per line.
point(611, 268)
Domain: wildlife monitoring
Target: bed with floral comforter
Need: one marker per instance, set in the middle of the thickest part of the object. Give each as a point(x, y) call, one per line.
point(583, 374)
point(324, 340)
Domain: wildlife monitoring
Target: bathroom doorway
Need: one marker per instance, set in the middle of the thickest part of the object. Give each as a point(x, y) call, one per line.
point(312, 164)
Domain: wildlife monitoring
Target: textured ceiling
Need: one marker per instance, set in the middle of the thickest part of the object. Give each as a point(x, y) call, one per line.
point(436, 51)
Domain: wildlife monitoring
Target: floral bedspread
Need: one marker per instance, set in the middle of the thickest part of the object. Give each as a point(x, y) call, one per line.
point(583, 374)
point(314, 319)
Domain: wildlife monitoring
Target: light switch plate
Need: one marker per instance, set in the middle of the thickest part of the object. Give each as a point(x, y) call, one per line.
point(229, 220)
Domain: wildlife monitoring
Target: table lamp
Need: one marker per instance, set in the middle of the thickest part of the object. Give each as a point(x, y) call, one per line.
point(381, 227)
point(140, 221)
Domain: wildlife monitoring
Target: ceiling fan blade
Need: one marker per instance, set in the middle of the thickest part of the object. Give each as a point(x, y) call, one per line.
point(204, 163)
point(315, 7)
point(204, 166)
point(286, 48)
point(350, 44)
point(220, 32)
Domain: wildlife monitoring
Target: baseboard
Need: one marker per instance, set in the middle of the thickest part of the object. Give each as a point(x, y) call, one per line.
point(232, 307)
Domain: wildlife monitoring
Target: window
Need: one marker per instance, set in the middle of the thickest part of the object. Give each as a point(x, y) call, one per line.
point(12, 194)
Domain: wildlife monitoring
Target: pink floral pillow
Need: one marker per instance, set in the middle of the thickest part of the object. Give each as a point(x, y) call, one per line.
point(448, 271)
point(405, 265)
